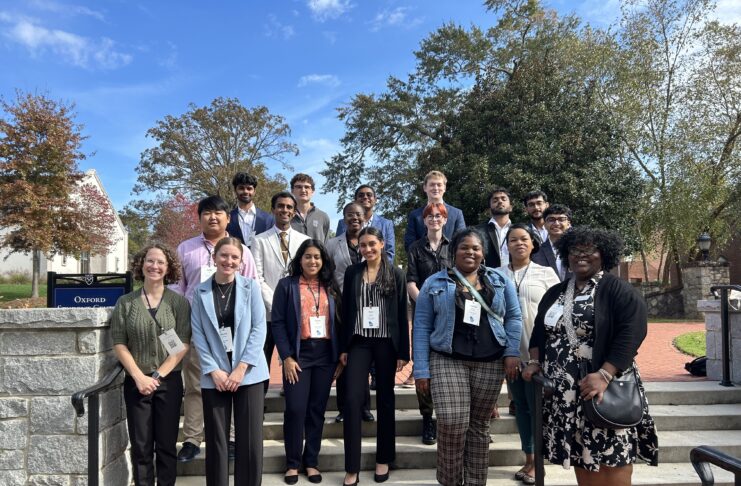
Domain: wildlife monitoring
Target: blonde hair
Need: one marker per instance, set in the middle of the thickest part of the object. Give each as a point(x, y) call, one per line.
point(435, 174)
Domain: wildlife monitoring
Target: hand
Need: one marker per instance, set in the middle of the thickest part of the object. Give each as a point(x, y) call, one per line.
point(146, 385)
point(220, 380)
point(343, 359)
point(236, 377)
point(338, 371)
point(423, 386)
point(592, 385)
point(511, 367)
point(529, 371)
point(400, 364)
point(291, 369)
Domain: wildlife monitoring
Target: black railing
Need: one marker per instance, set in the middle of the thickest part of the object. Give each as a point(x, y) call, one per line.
point(725, 331)
point(543, 388)
point(702, 457)
point(93, 418)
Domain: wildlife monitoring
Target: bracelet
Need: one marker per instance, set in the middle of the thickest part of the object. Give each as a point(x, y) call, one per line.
point(605, 375)
point(533, 362)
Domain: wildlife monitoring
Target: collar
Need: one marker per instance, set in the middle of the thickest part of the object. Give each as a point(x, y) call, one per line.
point(252, 210)
point(287, 231)
point(494, 221)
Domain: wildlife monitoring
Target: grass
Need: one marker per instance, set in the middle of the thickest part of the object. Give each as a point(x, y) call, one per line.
point(692, 343)
point(10, 292)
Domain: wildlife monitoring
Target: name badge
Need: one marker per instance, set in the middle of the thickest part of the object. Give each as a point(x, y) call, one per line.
point(172, 343)
point(318, 326)
point(553, 315)
point(225, 333)
point(206, 272)
point(371, 317)
point(581, 298)
point(472, 313)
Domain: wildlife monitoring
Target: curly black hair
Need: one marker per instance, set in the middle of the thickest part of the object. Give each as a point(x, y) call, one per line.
point(174, 269)
point(461, 234)
point(609, 244)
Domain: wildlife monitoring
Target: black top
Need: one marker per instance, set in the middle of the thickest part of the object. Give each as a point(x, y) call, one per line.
point(224, 297)
point(353, 251)
point(423, 261)
point(492, 258)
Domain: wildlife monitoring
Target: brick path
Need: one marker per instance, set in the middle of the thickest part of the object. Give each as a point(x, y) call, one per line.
point(657, 358)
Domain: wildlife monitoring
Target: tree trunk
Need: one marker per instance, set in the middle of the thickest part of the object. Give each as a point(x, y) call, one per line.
point(35, 273)
point(645, 266)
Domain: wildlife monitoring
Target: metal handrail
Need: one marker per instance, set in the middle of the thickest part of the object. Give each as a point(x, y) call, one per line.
point(543, 388)
point(725, 331)
point(93, 423)
point(702, 457)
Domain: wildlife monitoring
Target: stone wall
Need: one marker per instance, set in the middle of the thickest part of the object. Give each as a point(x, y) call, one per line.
point(697, 282)
point(667, 303)
point(46, 355)
point(713, 339)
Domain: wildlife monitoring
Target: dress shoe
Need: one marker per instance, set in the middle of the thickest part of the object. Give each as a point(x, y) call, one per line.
point(188, 452)
point(232, 450)
point(380, 478)
point(292, 479)
point(315, 478)
point(357, 480)
point(339, 418)
point(429, 430)
point(368, 416)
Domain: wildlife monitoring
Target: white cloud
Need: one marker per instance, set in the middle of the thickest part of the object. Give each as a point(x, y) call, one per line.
point(397, 17)
point(728, 11)
point(275, 28)
point(59, 8)
point(72, 48)
point(328, 9)
point(324, 79)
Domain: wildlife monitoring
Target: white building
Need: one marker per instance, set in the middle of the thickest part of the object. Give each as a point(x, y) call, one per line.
point(115, 261)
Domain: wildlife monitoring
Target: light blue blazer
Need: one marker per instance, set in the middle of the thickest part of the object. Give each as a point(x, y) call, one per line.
point(250, 329)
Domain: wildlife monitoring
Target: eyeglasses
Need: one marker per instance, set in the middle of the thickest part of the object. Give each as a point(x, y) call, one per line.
point(556, 219)
point(435, 216)
point(583, 252)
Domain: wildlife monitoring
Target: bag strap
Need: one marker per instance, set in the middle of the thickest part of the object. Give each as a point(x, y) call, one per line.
point(476, 295)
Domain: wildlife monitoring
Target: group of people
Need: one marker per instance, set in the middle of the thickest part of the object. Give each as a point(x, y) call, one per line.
point(489, 303)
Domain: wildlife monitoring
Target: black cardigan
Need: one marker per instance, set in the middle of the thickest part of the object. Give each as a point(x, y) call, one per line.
point(620, 322)
point(396, 310)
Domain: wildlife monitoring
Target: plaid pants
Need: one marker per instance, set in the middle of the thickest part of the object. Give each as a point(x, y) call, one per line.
point(464, 394)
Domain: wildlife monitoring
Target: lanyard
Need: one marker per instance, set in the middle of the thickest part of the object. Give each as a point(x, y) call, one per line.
point(210, 255)
point(476, 294)
point(317, 298)
point(522, 279)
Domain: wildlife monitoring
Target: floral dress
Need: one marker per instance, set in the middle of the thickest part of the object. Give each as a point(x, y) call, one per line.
point(569, 438)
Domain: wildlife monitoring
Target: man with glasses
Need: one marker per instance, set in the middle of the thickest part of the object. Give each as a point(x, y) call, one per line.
point(535, 203)
point(365, 195)
point(557, 221)
point(495, 230)
point(308, 219)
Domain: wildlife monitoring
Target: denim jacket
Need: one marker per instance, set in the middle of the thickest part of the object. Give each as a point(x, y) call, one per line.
point(434, 318)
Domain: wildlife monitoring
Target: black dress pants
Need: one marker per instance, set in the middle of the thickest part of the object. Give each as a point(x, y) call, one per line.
point(342, 393)
point(362, 352)
point(248, 403)
point(306, 402)
point(153, 422)
point(268, 349)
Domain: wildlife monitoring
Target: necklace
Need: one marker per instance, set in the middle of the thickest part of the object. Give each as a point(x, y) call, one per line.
point(522, 278)
point(228, 290)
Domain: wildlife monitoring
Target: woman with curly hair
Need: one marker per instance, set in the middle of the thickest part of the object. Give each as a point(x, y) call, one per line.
point(150, 328)
point(597, 321)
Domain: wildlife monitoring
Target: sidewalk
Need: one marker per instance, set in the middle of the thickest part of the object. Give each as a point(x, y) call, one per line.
point(657, 358)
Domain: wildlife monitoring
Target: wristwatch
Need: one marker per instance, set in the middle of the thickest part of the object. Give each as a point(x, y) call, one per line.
point(156, 375)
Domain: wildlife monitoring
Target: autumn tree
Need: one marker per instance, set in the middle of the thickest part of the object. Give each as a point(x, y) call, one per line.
point(197, 153)
point(177, 221)
point(45, 205)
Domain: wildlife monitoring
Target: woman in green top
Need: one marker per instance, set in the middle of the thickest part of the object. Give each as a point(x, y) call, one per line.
point(150, 328)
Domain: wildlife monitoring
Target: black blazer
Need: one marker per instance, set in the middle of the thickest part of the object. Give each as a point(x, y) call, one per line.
point(544, 256)
point(396, 310)
point(263, 222)
point(492, 258)
point(620, 322)
point(286, 319)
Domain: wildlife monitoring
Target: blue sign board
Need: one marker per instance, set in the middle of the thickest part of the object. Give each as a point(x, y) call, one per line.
point(90, 297)
point(86, 290)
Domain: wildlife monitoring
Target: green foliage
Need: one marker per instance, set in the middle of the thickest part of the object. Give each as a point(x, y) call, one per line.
point(692, 343)
point(138, 227)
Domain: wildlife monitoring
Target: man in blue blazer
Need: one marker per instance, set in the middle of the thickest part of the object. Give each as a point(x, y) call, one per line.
point(434, 186)
point(557, 221)
point(365, 195)
point(247, 220)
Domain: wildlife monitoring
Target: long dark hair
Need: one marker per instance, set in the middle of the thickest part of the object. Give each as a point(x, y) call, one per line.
point(327, 270)
point(386, 283)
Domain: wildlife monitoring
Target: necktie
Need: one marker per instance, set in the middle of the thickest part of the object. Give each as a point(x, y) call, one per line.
point(284, 245)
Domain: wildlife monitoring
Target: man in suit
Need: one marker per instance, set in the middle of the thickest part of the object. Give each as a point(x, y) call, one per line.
point(557, 222)
point(495, 230)
point(247, 220)
point(535, 203)
point(434, 187)
point(273, 251)
point(365, 195)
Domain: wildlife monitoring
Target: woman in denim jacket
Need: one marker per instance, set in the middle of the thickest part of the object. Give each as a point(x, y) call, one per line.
point(467, 328)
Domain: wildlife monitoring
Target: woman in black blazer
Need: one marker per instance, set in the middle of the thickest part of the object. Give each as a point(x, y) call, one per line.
point(305, 332)
point(375, 329)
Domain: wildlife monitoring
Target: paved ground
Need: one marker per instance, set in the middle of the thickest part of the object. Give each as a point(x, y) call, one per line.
point(658, 359)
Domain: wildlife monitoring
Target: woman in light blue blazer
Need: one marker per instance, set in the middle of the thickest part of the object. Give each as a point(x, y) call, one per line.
point(228, 320)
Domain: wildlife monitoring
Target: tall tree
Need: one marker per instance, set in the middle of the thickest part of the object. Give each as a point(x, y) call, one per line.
point(198, 152)
point(44, 204)
point(138, 227)
point(177, 221)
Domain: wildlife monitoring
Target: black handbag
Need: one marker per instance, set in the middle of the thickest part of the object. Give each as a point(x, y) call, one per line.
point(622, 402)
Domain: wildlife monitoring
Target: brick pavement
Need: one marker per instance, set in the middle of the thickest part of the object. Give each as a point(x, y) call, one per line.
point(657, 359)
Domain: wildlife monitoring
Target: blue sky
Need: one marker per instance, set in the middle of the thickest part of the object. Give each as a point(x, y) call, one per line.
point(127, 64)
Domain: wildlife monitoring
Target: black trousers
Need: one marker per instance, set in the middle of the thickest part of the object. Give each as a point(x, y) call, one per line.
point(153, 422)
point(248, 403)
point(306, 402)
point(362, 352)
point(268, 349)
point(342, 393)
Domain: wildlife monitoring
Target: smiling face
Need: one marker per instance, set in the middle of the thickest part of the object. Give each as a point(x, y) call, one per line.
point(556, 225)
point(469, 254)
point(435, 189)
point(283, 211)
point(585, 261)
point(535, 207)
point(302, 191)
point(245, 193)
point(354, 218)
point(227, 261)
point(213, 222)
point(435, 220)
point(520, 244)
point(366, 198)
point(371, 247)
point(154, 267)
point(311, 262)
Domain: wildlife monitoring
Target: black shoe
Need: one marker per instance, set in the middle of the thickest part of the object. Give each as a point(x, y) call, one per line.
point(373, 382)
point(232, 450)
point(293, 479)
point(188, 452)
point(357, 480)
point(368, 416)
point(429, 430)
point(314, 478)
point(339, 418)
point(380, 478)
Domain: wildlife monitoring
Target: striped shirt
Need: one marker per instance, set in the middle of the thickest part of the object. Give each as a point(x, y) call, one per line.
point(371, 296)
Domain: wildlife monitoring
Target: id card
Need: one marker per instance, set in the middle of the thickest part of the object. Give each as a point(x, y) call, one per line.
point(206, 272)
point(171, 341)
point(582, 297)
point(371, 317)
point(225, 333)
point(553, 315)
point(472, 313)
point(318, 326)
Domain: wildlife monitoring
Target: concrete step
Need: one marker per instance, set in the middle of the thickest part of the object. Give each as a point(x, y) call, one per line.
point(681, 474)
point(505, 451)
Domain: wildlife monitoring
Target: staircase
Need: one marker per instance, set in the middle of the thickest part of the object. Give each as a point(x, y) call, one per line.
point(687, 414)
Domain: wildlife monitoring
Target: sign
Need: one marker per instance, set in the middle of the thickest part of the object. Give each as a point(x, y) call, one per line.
point(86, 290)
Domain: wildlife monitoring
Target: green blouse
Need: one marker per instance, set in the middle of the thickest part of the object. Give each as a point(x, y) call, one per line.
point(133, 326)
